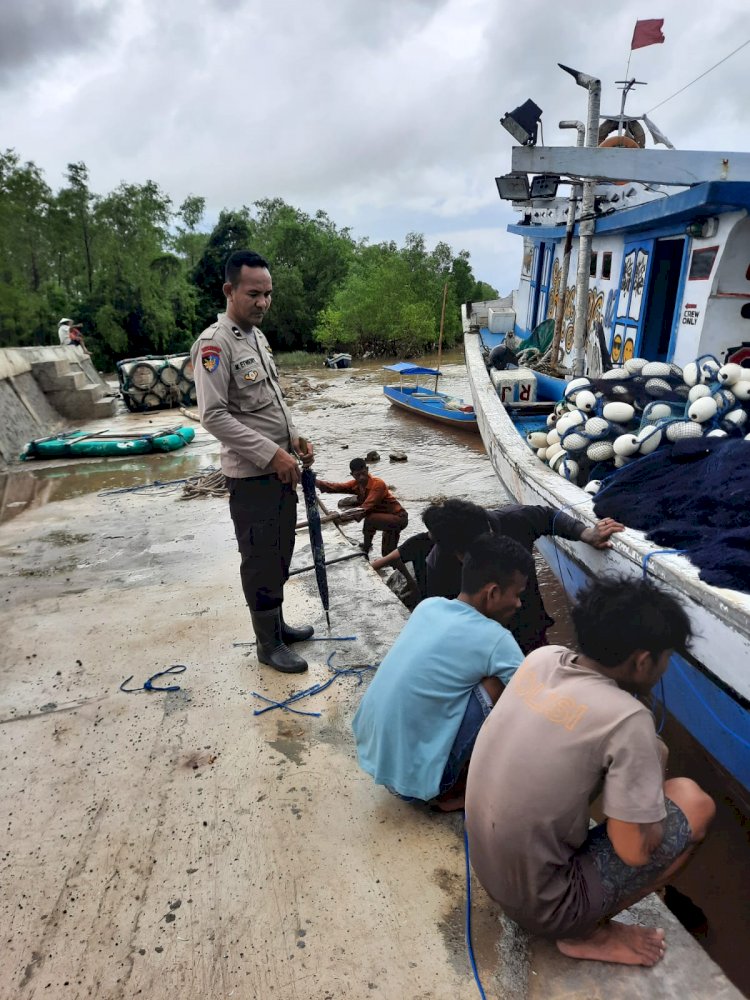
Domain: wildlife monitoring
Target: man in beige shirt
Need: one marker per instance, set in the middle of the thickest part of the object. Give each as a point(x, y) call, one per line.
point(241, 403)
point(566, 730)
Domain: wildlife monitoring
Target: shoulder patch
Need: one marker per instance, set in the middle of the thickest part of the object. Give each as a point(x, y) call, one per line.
point(211, 357)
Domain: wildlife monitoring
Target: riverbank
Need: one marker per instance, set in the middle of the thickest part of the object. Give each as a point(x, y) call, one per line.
point(163, 844)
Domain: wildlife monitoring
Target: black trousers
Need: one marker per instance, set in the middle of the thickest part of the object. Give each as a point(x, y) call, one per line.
point(264, 512)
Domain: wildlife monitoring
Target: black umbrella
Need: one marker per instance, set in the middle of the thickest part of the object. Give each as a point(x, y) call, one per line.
point(316, 538)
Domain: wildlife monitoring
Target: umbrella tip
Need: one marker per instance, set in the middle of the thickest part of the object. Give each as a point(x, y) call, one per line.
point(328, 620)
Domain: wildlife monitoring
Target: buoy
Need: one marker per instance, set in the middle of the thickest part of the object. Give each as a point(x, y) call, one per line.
point(656, 369)
point(553, 436)
point(626, 445)
point(537, 439)
point(619, 413)
point(554, 450)
point(593, 486)
point(690, 373)
point(573, 442)
point(702, 409)
point(729, 374)
point(585, 400)
point(741, 389)
point(575, 385)
point(737, 418)
point(698, 391)
point(717, 432)
point(634, 366)
point(649, 439)
point(551, 419)
point(596, 428)
point(573, 419)
point(600, 451)
point(657, 387)
point(657, 411)
point(541, 454)
point(683, 429)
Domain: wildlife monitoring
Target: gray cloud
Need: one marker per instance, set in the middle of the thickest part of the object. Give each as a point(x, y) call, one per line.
point(383, 114)
point(38, 30)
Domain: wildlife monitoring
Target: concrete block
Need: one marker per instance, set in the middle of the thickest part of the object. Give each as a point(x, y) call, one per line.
point(76, 404)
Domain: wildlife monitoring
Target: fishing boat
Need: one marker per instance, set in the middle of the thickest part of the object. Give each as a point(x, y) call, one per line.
point(426, 402)
point(659, 243)
point(338, 361)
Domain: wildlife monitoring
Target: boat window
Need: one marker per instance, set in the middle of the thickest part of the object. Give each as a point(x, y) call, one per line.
point(747, 273)
point(701, 263)
point(606, 265)
point(745, 311)
point(594, 259)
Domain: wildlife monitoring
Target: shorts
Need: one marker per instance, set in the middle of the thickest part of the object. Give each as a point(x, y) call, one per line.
point(609, 883)
point(478, 708)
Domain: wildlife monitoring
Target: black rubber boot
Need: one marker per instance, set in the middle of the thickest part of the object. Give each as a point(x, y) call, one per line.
point(271, 648)
point(291, 634)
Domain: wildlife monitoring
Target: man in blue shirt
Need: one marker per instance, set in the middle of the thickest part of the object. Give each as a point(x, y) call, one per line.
point(416, 725)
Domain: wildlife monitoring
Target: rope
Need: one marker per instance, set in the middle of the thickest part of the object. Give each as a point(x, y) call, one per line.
point(709, 70)
point(177, 668)
point(469, 945)
point(353, 671)
point(208, 483)
point(159, 484)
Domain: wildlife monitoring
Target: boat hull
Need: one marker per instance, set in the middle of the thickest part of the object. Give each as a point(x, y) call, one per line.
point(710, 695)
point(433, 411)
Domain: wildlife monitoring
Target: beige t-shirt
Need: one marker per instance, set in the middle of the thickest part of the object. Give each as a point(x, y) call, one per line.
point(560, 735)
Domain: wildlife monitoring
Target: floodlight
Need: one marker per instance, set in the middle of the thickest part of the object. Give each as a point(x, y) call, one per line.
point(513, 187)
point(522, 122)
point(544, 186)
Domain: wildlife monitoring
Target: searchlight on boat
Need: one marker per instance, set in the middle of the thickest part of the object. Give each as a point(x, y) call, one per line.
point(513, 187)
point(523, 122)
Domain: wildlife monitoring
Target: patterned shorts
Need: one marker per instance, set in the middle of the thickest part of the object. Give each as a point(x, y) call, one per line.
point(610, 882)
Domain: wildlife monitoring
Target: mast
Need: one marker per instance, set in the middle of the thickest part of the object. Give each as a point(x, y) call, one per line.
point(586, 219)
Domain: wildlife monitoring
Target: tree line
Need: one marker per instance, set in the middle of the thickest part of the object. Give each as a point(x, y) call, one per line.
point(145, 277)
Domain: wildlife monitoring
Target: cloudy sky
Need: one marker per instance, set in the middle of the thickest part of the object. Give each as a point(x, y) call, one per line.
point(384, 113)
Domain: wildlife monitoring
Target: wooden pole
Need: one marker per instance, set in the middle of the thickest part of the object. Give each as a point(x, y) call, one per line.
point(442, 326)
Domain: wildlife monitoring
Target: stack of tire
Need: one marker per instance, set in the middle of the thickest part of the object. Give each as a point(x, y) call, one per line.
point(157, 382)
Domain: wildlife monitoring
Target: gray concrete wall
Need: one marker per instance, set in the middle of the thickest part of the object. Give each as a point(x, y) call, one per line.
point(27, 412)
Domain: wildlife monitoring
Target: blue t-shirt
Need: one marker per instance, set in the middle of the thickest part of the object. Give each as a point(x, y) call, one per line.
point(411, 712)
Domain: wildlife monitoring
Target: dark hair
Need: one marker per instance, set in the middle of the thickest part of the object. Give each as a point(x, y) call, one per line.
point(455, 524)
point(239, 259)
point(494, 559)
point(615, 616)
point(356, 464)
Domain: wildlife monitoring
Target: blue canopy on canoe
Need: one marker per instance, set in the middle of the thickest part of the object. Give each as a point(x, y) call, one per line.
point(404, 368)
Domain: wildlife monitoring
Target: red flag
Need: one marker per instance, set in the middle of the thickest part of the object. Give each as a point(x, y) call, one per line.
point(647, 33)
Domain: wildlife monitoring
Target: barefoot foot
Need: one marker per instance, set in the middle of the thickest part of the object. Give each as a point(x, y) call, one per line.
point(626, 944)
point(447, 805)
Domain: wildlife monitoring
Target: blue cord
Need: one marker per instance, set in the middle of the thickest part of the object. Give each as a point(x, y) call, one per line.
point(357, 672)
point(469, 945)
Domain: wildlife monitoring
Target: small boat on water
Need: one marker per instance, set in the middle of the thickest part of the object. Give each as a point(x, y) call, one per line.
point(662, 265)
point(427, 402)
point(338, 361)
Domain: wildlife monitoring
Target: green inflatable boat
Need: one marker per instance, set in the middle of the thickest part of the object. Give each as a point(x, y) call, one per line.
point(81, 444)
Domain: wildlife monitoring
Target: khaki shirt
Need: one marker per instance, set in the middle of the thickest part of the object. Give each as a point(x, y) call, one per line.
point(239, 397)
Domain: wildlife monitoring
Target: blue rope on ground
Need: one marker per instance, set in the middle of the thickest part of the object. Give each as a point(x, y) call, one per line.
point(177, 668)
point(469, 945)
point(356, 671)
point(315, 638)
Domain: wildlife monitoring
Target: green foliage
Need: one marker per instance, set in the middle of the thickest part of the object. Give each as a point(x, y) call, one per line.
point(144, 277)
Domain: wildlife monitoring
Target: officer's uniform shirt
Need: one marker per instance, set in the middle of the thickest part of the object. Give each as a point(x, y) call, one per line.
point(239, 397)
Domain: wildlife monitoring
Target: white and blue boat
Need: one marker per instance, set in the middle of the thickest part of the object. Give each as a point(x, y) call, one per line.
point(657, 246)
point(426, 402)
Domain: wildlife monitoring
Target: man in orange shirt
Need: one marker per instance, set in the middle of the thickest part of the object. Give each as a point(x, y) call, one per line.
point(377, 506)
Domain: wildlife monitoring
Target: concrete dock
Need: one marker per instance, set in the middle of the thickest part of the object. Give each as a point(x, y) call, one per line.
point(175, 844)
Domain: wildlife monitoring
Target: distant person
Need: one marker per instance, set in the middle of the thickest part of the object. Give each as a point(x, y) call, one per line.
point(69, 334)
point(567, 729)
point(418, 720)
point(377, 506)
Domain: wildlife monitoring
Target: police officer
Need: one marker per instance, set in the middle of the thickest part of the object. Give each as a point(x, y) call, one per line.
point(241, 404)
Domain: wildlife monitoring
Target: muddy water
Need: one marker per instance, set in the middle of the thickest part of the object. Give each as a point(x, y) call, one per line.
point(345, 414)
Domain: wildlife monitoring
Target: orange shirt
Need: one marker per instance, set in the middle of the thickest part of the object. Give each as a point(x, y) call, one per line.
point(374, 497)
